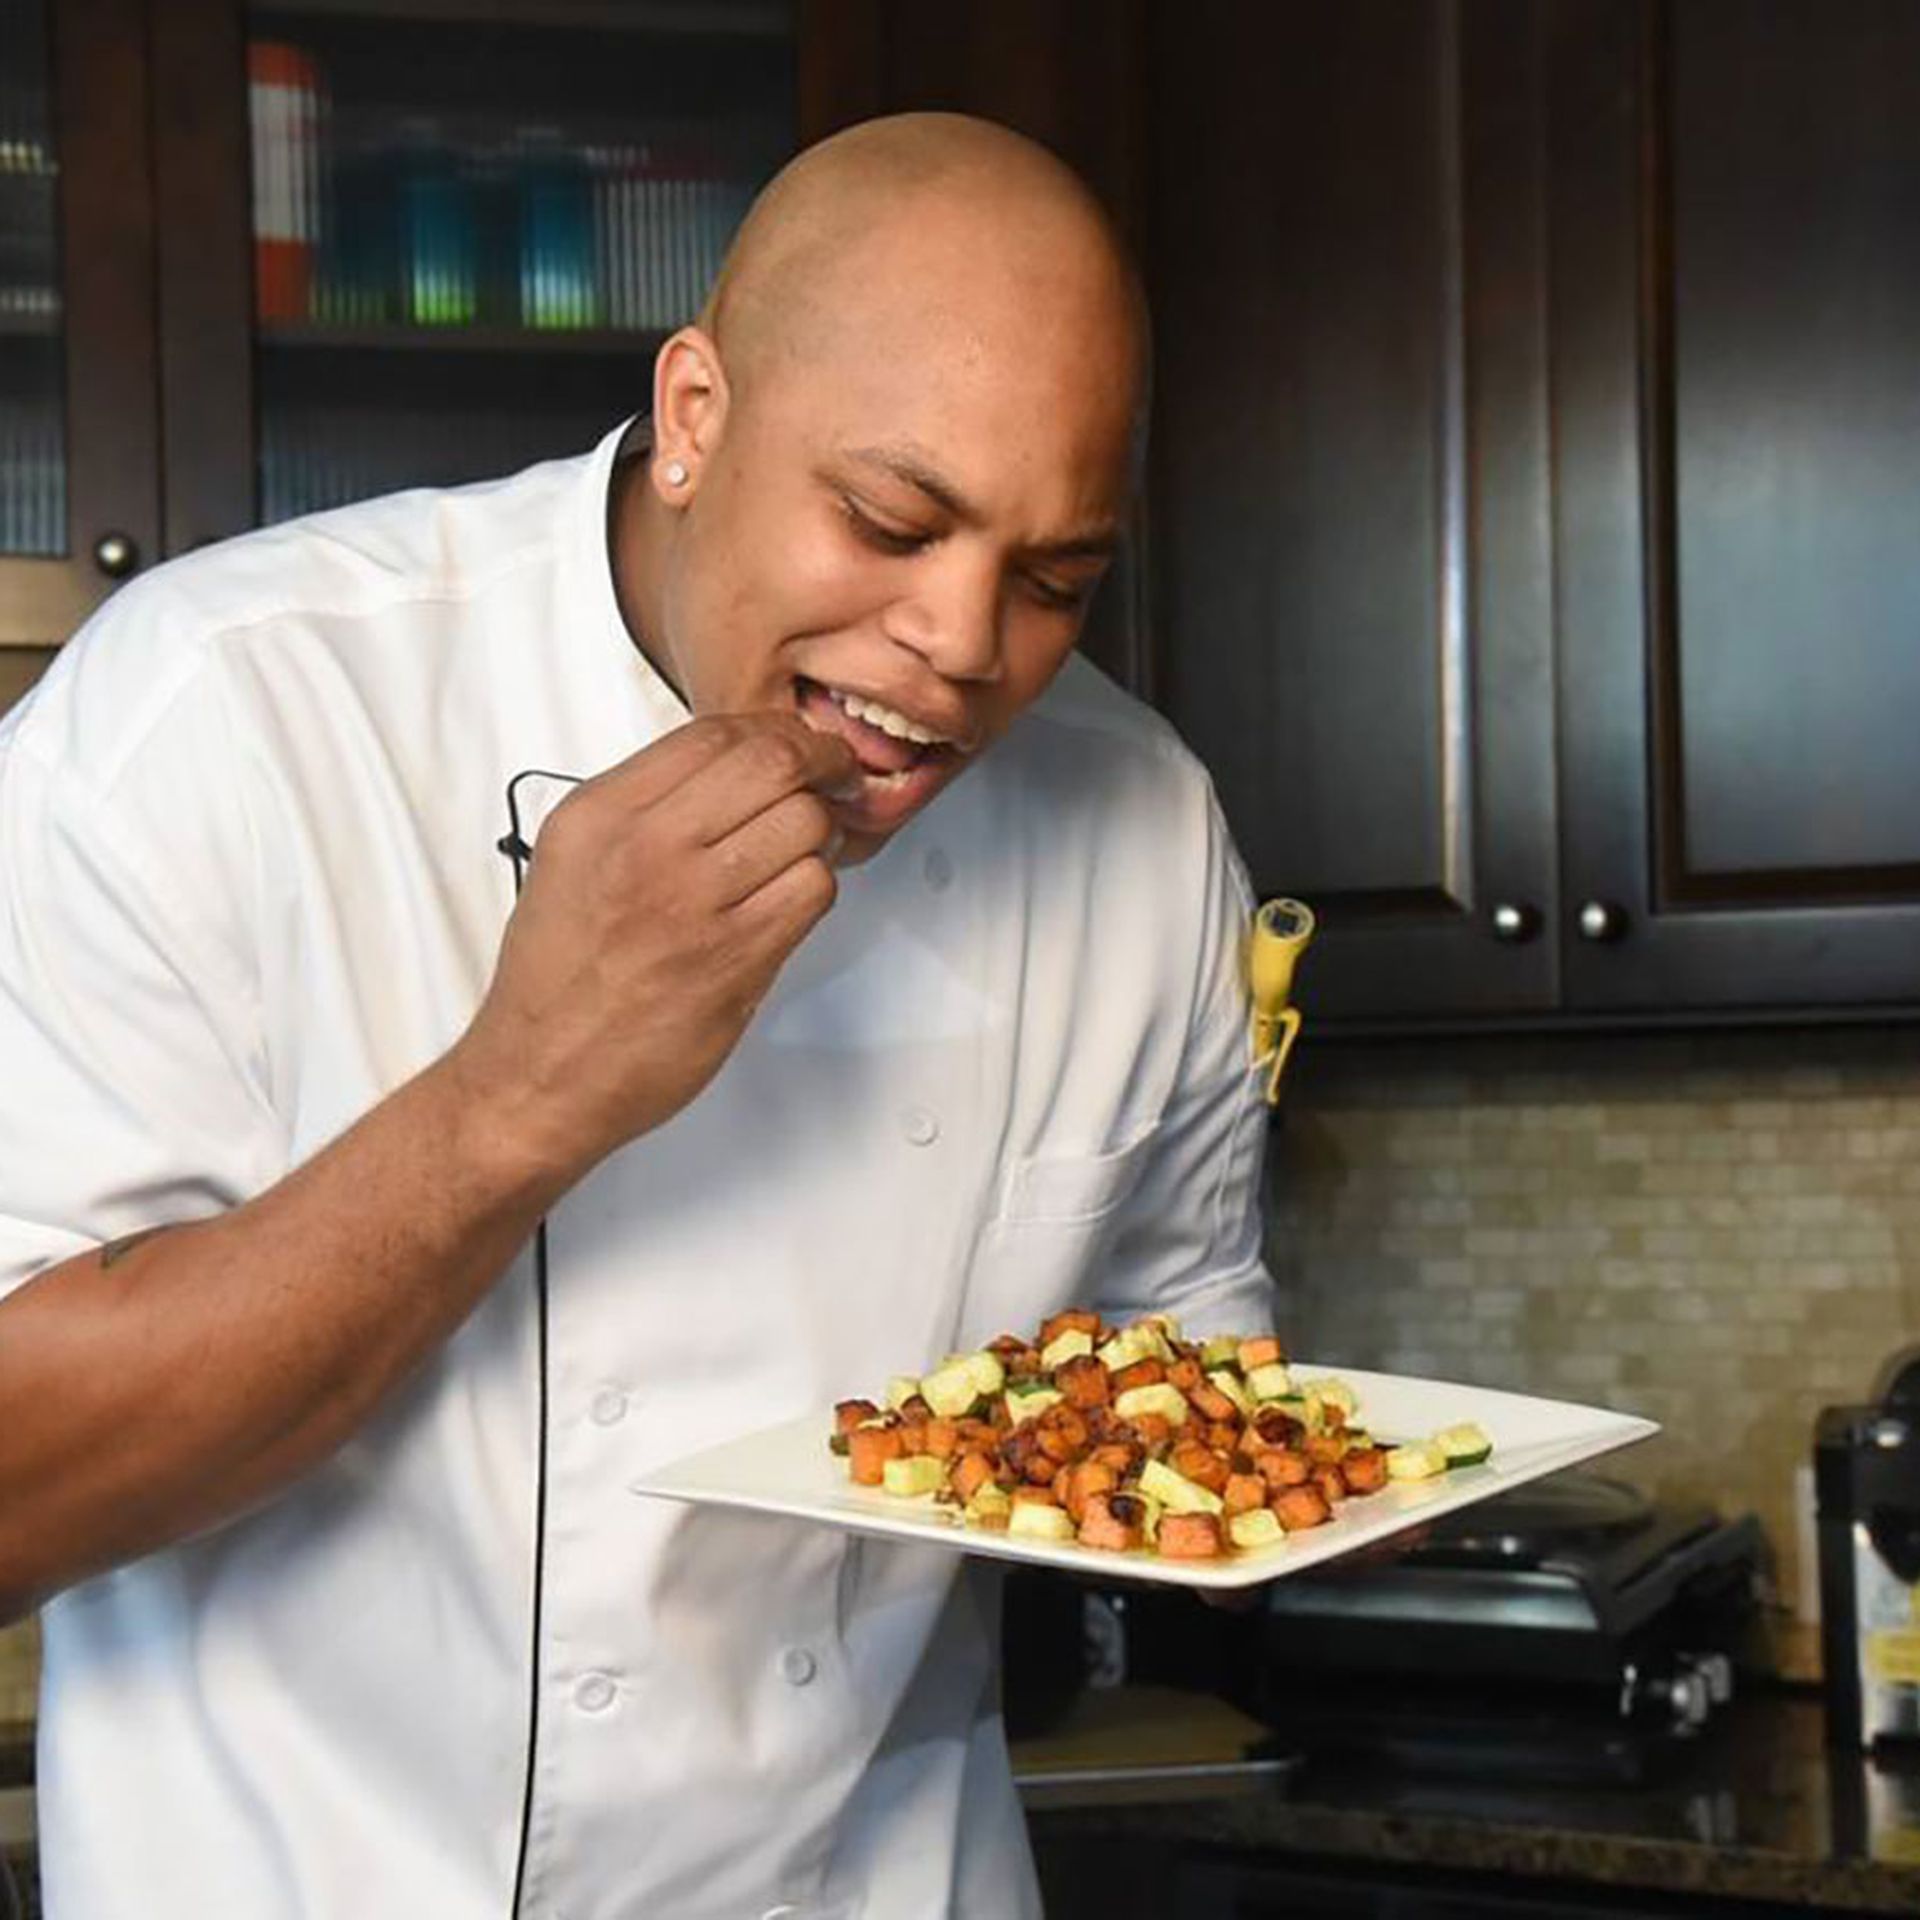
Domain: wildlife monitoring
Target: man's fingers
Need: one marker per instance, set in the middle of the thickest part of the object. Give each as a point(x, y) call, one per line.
point(772, 920)
point(767, 759)
point(793, 828)
point(664, 767)
point(703, 781)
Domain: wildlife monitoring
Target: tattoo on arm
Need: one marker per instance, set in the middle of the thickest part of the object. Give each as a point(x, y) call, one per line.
point(117, 1250)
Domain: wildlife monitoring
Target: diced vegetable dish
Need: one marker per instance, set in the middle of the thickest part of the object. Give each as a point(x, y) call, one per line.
point(1132, 1439)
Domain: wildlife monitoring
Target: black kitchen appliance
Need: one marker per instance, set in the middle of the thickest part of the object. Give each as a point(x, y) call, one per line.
point(1570, 1631)
point(1867, 1485)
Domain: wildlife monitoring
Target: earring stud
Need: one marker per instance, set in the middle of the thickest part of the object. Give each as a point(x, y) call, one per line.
point(676, 473)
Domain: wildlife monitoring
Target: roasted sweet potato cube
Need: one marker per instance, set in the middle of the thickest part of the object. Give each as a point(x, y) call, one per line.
point(1186, 1375)
point(1036, 1496)
point(1085, 1381)
point(1282, 1467)
point(1070, 1320)
point(868, 1451)
point(1262, 1351)
point(1040, 1468)
point(1143, 1373)
point(971, 1471)
point(1199, 1463)
point(1243, 1492)
point(1079, 1482)
point(1123, 1456)
point(1189, 1536)
point(1112, 1521)
point(1365, 1469)
point(1063, 1419)
point(1325, 1449)
point(1155, 1431)
point(942, 1438)
point(1331, 1483)
point(1212, 1403)
point(1224, 1436)
point(848, 1414)
point(1298, 1508)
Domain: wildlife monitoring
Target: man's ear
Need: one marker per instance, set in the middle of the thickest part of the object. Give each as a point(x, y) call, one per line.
point(690, 398)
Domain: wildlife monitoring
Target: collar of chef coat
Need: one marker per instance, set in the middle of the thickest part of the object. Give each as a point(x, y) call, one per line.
point(640, 707)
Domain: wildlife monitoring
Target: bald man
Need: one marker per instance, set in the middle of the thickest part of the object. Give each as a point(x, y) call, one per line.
point(374, 1209)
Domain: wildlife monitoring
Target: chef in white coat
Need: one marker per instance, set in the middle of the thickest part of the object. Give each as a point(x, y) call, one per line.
point(316, 1456)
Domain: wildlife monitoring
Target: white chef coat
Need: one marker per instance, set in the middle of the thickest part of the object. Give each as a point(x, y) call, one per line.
point(248, 884)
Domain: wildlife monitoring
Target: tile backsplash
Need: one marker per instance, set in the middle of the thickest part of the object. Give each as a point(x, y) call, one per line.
point(1719, 1231)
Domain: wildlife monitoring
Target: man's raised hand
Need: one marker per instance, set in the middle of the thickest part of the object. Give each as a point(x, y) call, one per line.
point(663, 898)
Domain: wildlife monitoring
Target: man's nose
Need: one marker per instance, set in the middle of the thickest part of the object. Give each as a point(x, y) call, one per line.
point(952, 618)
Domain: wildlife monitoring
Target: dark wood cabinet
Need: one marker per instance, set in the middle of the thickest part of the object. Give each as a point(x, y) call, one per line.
point(1736, 354)
point(80, 501)
point(1350, 540)
point(1533, 518)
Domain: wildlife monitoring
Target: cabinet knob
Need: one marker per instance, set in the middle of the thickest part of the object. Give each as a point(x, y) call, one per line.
point(1601, 920)
point(116, 555)
point(1515, 922)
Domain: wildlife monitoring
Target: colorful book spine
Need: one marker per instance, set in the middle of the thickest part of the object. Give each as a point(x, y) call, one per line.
point(284, 112)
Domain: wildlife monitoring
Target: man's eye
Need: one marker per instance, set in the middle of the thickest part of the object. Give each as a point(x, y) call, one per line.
point(883, 539)
point(1060, 599)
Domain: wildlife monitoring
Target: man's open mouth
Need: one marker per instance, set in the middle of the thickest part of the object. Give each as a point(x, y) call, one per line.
point(889, 745)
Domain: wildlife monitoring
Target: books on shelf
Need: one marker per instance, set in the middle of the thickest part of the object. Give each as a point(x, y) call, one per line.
point(29, 284)
point(284, 116)
point(454, 221)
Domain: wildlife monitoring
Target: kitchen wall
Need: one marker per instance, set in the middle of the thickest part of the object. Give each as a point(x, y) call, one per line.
point(1718, 1231)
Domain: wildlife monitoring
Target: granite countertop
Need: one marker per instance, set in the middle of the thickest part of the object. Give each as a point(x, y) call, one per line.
point(1751, 1811)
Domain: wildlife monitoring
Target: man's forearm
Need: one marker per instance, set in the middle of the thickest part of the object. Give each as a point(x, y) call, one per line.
point(162, 1384)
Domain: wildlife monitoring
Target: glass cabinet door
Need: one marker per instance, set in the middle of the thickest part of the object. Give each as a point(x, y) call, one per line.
point(78, 457)
point(469, 225)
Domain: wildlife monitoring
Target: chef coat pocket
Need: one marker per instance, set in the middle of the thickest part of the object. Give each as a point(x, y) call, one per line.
point(1042, 1249)
point(1070, 1190)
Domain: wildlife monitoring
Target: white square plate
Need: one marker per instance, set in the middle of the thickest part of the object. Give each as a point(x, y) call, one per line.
point(790, 1470)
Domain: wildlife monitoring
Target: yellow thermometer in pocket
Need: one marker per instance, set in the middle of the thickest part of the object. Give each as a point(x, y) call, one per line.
point(1281, 930)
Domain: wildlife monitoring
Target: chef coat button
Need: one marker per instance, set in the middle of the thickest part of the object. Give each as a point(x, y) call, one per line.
point(938, 869)
point(609, 1406)
point(920, 1126)
point(797, 1666)
point(594, 1693)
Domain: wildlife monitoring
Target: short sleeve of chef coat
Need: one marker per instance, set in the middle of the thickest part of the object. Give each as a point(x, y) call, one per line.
point(134, 1079)
point(1189, 1240)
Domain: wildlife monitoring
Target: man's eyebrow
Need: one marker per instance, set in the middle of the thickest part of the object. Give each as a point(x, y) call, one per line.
point(908, 464)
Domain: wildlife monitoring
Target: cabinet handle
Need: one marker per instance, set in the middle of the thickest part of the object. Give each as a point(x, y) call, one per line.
point(116, 555)
point(1514, 922)
point(1600, 920)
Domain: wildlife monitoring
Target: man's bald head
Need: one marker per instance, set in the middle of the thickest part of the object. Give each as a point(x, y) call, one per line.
point(918, 221)
point(892, 459)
